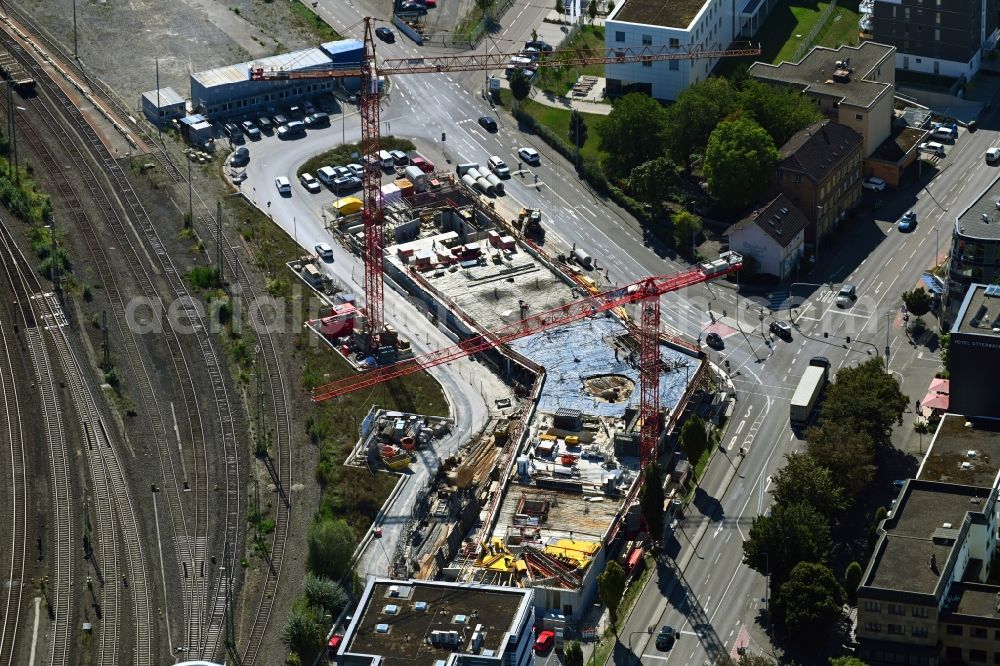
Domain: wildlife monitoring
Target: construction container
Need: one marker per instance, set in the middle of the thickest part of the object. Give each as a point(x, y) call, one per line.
point(416, 175)
point(572, 440)
point(406, 187)
point(545, 448)
point(461, 169)
point(547, 438)
point(568, 419)
point(495, 182)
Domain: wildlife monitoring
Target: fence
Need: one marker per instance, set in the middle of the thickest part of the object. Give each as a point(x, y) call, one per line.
point(807, 43)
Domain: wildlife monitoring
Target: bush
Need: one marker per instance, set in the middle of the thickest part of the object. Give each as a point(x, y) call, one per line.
point(203, 277)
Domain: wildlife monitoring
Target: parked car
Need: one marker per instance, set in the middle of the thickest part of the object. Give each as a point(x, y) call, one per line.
point(873, 183)
point(992, 155)
point(488, 123)
point(538, 44)
point(234, 133)
point(421, 163)
point(529, 155)
point(292, 130)
point(782, 329)
point(309, 107)
point(264, 123)
point(908, 222)
point(279, 120)
point(666, 638)
point(342, 171)
point(714, 340)
point(399, 157)
point(932, 147)
point(847, 295)
point(309, 182)
point(545, 641)
point(318, 119)
point(499, 167)
point(345, 184)
point(412, 9)
point(241, 157)
point(284, 187)
point(820, 362)
point(944, 134)
point(386, 35)
point(356, 169)
point(326, 175)
point(251, 130)
point(324, 251)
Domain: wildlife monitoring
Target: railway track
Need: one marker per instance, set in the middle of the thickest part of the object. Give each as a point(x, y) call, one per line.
point(206, 615)
point(13, 437)
point(279, 416)
point(58, 591)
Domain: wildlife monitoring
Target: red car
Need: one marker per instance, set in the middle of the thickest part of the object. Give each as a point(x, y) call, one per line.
point(545, 641)
point(422, 164)
point(431, 3)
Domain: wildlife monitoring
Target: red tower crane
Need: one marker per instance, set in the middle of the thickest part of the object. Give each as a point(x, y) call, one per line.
point(369, 72)
point(647, 292)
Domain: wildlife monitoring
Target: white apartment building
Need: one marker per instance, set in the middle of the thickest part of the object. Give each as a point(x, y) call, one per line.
point(707, 25)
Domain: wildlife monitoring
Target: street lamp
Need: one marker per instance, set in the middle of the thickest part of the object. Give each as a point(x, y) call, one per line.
point(649, 630)
point(888, 324)
point(767, 585)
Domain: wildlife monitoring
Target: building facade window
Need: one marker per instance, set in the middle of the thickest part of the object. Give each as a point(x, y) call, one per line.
point(919, 632)
point(895, 629)
point(954, 630)
point(977, 632)
point(647, 40)
point(873, 626)
point(977, 656)
point(894, 609)
point(953, 652)
point(858, 116)
point(619, 35)
point(921, 611)
point(675, 43)
point(647, 63)
point(872, 605)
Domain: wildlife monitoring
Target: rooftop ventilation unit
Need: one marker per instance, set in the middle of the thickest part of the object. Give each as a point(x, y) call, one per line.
point(394, 590)
point(993, 289)
point(391, 609)
point(460, 619)
point(382, 628)
point(784, 211)
point(985, 218)
point(966, 466)
point(947, 526)
point(420, 606)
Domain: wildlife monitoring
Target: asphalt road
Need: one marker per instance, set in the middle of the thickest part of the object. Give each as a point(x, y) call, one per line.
point(702, 590)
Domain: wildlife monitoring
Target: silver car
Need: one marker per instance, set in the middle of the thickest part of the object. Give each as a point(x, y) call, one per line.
point(847, 295)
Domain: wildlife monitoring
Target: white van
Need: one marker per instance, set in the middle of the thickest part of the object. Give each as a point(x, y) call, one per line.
point(386, 159)
point(326, 175)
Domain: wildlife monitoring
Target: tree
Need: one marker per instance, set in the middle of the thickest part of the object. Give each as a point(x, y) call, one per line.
point(804, 480)
point(697, 111)
point(846, 452)
point(945, 341)
point(846, 661)
point(686, 225)
point(811, 603)
point(852, 579)
point(632, 133)
point(302, 633)
point(611, 589)
point(592, 10)
point(694, 438)
point(868, 399)
point(649, 181)
point(324, 594)
point(780, 111)
point(577, 129)
point(789, 535)
point(573, 656)
point(651, 500)
point(560, 6)
point(520, 85)
point(331, 545)
point(918, 301)
point(739, 162)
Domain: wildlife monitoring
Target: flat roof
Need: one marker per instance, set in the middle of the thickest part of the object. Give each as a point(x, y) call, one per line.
point(976, 600)
point(916, 531)
point(900, 142)
point(663, 13)
point(815, 71)
point(311, 58)
point(166, 97)
point(980, 312)
point(950, 449)
point(499, 609)
point(971, 223)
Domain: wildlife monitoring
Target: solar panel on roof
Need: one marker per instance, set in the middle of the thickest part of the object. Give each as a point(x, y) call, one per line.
point(993, 290)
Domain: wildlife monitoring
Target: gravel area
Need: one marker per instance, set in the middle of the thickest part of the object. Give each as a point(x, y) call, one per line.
point(121, 41)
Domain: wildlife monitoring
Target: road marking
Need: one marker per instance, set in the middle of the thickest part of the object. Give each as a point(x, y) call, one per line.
point(739, 428)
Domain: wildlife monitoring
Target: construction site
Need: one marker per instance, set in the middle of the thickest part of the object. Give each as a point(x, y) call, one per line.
point(545, 494)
